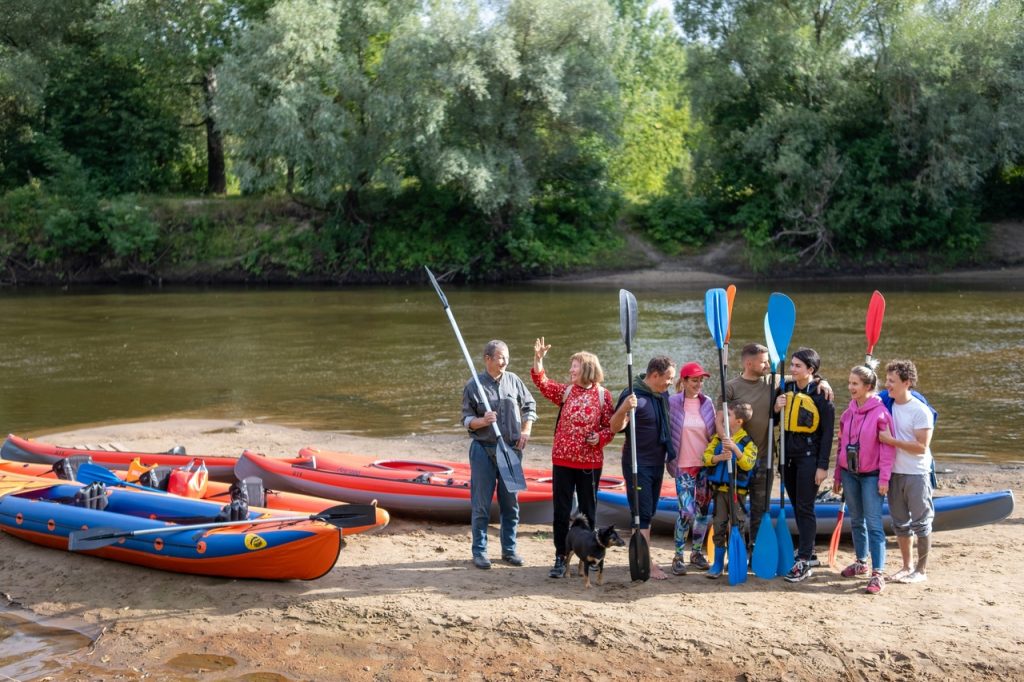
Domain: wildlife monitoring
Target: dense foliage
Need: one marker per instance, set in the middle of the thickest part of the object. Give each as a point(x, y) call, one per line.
point(497, 138)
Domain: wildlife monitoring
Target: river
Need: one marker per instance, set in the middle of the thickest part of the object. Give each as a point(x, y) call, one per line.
point(384, 361)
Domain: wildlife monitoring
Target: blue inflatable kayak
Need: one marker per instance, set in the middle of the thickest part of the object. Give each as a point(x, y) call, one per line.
point(952, 512)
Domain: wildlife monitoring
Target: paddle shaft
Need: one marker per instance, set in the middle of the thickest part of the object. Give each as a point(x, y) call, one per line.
point(632, 442)
point(513, 476)
point(340, 516)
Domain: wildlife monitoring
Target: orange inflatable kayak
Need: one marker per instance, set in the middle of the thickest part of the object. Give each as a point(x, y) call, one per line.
point(169, 532)
point(216, 491)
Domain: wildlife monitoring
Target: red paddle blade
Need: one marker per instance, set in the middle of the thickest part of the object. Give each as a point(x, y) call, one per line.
point(730, 296)
point(873, 324)
point(833, 545)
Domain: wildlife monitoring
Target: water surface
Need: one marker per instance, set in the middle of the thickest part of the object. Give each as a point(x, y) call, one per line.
point(384, 361)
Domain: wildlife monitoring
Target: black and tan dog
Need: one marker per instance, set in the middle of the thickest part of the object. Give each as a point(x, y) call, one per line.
point(590, 546)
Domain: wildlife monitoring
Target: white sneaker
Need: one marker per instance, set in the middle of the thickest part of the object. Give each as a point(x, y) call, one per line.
point(914, 577)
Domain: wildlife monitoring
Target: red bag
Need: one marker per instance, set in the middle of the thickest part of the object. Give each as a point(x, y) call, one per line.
point(189, 482)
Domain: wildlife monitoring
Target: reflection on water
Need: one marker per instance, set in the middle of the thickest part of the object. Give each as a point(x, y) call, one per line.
point(384, 361)
point(28, 648)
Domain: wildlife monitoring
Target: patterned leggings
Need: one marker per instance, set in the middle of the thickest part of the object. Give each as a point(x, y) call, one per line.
point(694, 496)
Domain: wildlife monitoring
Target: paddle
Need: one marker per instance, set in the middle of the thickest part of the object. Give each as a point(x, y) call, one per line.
point(510, 468)
point(781, 319)
point(340, 516)
point(716, 310)
point(639, 551)
point(872, 330)
point(730, 296)
point(766, 545)
point(88, 472)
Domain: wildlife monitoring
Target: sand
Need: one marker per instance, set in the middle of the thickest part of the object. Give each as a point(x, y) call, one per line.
point(407, 604)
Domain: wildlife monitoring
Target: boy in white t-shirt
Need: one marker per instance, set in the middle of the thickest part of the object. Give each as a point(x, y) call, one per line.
point(910, 490)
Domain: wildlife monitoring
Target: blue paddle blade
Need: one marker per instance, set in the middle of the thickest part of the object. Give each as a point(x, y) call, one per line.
point(781, 320)
point(737, 557)
point(89, 472)
point(785, 563)
point(773, 354)
point(716, 310)
point(766, 550)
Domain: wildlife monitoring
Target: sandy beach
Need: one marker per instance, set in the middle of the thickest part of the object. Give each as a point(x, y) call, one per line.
point(407, 604)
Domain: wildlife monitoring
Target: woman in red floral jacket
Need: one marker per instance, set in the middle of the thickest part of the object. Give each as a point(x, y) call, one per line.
point(581, 432)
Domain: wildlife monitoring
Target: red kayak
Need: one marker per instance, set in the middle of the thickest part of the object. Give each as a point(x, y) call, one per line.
point(17, 449)
point(434, 489)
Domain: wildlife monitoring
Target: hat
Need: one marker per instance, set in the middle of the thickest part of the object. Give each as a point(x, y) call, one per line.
point(692, 369)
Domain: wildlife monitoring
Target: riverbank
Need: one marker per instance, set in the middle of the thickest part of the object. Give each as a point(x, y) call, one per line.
point(406, 603)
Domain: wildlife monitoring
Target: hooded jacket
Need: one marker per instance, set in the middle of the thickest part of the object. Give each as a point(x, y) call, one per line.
point(862, 424)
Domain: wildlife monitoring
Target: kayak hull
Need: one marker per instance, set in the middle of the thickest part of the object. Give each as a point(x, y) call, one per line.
point(17, 449)
point(288, 550)
point(952, 512)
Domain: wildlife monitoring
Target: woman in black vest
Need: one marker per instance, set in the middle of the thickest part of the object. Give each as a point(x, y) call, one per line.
point(809, 420)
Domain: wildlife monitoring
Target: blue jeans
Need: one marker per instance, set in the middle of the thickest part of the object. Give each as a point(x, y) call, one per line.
point(483, 479)
point(865, 509)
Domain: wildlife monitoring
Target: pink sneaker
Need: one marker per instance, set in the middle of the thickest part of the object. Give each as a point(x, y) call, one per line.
point(857, 568)
point(876, 584)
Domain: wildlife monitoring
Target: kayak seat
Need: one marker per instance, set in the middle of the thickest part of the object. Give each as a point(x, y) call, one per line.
point(235, 510)
point(306, 462)
point(158, 477)
point(251, 490)
point(67, 467)
point(92, 496)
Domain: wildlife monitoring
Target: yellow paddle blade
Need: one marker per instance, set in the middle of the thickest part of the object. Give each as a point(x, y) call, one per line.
point(711, 541)
point(15, 483)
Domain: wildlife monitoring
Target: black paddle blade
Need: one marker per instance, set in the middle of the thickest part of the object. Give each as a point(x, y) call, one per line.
point(627, 317)
point(639, 557)
point(437, 287)
point(93, 538)
point(349, 515)
point(510, 468)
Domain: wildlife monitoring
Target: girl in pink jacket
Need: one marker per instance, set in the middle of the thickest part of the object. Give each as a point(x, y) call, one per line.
point(863, 468)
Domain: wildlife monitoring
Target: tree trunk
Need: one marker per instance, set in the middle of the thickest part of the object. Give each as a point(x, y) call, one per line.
point(216, 176)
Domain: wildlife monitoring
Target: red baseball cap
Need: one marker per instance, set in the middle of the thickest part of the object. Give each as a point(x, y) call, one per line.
point(692, 369)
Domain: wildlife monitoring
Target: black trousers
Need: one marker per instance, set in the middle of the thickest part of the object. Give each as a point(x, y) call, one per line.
point(759, 493)
point(800, 488)
point(565, 482)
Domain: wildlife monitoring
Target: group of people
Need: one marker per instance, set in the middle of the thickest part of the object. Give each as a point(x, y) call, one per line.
point(883, 452)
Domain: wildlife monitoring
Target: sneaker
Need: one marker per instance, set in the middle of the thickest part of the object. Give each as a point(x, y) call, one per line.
point(698, 560)
point(678, 565)
point(801, 571)
point(854, 570)
point(876, 584)
point(558, 570)
point(900, 575)
point(481, 562)
point(914, 577)
point(512, 559)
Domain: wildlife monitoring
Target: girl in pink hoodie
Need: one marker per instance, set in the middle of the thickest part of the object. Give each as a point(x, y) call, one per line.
point(863, 468)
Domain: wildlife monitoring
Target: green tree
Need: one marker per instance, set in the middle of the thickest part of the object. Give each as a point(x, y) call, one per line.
point(315, 100)
point(180, 43)
point(654, 144)
point(527, 98)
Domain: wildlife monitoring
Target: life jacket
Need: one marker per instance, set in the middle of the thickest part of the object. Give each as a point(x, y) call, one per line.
point(720, 474)
point(801, 412)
